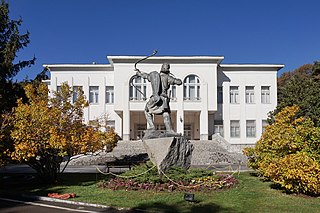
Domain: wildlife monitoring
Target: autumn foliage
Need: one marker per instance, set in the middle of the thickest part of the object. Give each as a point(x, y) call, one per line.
point(288, 153)
point(46, 130)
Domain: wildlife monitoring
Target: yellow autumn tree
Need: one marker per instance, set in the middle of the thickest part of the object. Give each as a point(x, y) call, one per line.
point(46, 130)
point(288, 153)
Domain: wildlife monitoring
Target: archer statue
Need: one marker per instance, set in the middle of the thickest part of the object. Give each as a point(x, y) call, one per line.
point(158, 103)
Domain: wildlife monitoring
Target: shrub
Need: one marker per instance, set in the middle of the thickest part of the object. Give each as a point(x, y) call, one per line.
point(146, 177)
point(297, 173)
point(288, 153)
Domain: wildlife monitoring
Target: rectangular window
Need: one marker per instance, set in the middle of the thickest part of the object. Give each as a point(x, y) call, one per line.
point(235, 129)
point(218, 127)
point(265, 94)
point(264, 124)
point(220, 95)
point(251, 128)
point(76, 91)
point(234, 94)
point(173, 93)
point(249, 94)
point(109, 95)
point(93, 94)
point(111, 124)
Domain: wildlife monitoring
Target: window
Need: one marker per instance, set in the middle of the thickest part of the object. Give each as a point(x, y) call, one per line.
point(173, 93)
point(234, 94)
point(109, 95)
point(265, 94)
point(93, 94)
point(191, 88)
point(249, 95)
point(218, 127)
point(76, 91)
point(111, 124)
point(234, 129)
point(140, 86)
point(251, 128)
point(220, 95)
point(264, 124)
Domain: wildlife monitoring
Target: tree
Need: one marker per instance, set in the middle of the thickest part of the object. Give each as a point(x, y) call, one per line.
point(302, 72)
point(288, 153)
point(11, 41)
point(5, 140)
point(300, 87)
point(47, 129)
point(316, 69)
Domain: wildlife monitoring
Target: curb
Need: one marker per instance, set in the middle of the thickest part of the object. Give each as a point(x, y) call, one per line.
point(49, 199)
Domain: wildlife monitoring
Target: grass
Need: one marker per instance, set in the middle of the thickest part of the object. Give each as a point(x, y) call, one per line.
point(250, 195)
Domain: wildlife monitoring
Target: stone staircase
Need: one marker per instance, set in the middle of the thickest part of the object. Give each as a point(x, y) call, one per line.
point(206, 152)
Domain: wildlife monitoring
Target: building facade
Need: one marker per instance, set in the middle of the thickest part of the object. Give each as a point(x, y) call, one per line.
point(232, 100)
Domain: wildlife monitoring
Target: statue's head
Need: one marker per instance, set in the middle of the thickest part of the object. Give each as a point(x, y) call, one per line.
point(165, 68)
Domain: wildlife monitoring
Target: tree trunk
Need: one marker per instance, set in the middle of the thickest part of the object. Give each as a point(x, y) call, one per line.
point(47, 168)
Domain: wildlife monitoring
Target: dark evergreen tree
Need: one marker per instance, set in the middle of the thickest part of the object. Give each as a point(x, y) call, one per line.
point(302, 88)
point(11, 42)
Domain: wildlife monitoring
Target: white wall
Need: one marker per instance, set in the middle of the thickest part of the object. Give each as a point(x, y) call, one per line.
point(86, 77)
point(211, 75)
point(243, 111)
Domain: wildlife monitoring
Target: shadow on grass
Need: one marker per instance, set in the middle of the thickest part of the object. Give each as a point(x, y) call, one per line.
point(195, 207)
point(254, 174)
point(24, 183)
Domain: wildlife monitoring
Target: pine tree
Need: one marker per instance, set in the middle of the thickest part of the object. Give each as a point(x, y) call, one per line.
point(11, 42)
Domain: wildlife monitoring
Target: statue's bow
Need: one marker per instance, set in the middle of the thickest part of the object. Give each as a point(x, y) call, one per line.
point(136, 69)
point(140, 60)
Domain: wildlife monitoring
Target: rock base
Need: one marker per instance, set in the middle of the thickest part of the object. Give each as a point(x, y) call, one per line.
point(150, 134)
point(169, 151)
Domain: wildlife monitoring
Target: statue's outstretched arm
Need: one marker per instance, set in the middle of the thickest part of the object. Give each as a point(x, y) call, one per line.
point(174, 81)
point(141, 74)
point(177, 81)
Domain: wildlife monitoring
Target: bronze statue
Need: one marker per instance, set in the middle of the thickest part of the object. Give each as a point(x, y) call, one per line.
point(158, 103)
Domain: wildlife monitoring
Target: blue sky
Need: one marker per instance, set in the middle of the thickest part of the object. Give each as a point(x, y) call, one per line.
point(243, 31)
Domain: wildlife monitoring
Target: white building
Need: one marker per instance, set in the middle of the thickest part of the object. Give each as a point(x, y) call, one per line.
point(230, 99)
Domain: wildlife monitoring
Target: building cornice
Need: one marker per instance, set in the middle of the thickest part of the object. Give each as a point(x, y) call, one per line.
point(240, 67)
point(168, 59)
point(79, 67)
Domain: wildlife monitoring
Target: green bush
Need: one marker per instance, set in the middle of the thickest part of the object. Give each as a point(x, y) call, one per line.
point(288, 153)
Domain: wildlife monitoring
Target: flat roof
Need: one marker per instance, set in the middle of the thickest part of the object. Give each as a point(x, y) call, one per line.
point(251, 66)
point(170, 59)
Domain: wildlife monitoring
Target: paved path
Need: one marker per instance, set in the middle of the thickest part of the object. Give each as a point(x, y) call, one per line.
point(19, 205)
point(22, 168)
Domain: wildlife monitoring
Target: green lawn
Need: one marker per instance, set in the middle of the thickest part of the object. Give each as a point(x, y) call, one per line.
point(250, 195)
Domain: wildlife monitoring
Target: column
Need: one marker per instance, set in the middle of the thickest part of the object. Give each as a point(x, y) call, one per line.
point(126, 114)
point(180, 110)
point(204, 112)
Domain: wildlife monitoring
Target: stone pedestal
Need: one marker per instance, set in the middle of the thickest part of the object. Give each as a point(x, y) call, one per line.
point(167, 152)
